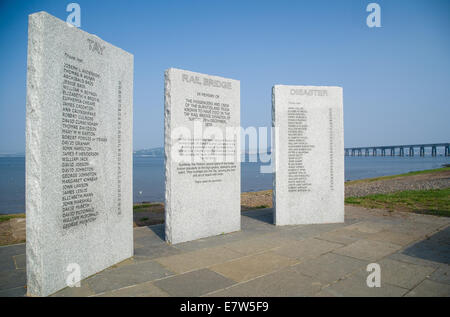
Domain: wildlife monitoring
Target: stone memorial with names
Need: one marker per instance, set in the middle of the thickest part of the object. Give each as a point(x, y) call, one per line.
point(78, 155)
point(202, 148)
point(309, 154)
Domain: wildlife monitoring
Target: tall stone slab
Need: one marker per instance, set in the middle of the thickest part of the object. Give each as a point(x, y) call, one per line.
point(78, 155)
point(202, 150)
point(309, 154)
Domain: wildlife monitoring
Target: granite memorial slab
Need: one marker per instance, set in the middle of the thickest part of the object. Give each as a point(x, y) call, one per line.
point(78, 155)
point(309, 154)
point(202, 149)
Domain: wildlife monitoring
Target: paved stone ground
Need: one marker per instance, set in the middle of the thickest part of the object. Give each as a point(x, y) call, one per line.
point(264, 260)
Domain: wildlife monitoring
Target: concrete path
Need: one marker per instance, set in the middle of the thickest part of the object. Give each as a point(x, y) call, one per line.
point(412, 250)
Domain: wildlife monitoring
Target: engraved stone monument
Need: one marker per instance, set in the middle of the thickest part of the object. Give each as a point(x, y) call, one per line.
point(78, 155)
point(309, 155)
point(202, 148)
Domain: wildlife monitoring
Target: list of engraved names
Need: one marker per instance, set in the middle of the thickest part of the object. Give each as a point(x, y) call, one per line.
point(79, 141)
point(298, 147)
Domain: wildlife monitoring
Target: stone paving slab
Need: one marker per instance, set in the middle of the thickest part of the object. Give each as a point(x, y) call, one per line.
point(147, 289)
point(83, 291)
point(344, 235)
point(194, 260)
point(369, 226)
point(155, 251)
point(252, 266)
point(355, 286)
point(7, 264)
point(392, 237)
point(11, 250)
point(14, 292)
point(266, 260)
point(286, 282)
point(258, 244)
point(20, 261)
point(430, 288)
point(308, 248)
point(127, 275)
point(368, 250)
point(330, 267)
point(194, 283)
point(402, 274)
point(441, 275)
point(12, 279)
point(302, 232)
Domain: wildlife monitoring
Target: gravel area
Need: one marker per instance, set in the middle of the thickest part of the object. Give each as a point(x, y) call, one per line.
point(438, 180)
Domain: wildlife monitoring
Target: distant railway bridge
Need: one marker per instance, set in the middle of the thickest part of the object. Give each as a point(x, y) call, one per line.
point(400, 149)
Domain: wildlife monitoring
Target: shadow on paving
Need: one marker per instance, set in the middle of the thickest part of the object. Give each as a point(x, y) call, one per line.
point(159, 231)
point(263, 215)
point(436, 248)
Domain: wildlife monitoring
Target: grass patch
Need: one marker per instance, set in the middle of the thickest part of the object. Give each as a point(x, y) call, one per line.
point(260, 207)
point(145, 205)
point(433, 201)
point(436, 170)
point(9, 217)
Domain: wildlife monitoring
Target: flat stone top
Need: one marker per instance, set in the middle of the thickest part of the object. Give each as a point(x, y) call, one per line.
point(45, 16)
point(315, 95)
point(199, 78)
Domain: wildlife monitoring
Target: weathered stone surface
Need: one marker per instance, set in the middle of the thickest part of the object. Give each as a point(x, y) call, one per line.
point(430, 288)
point(247, 268)
point(195, 283)
point(309, 154)
point(368, 249)
point(146, 289)
point(203, 179)
point(330, 267)
point(285, 282)
point(308, 248)
point(127, 275)
point(78, 154)
point(355, 286)
point(402, 274)
point(190, 261)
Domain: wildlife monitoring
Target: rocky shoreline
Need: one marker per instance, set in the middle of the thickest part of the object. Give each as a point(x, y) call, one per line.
point(438, 179)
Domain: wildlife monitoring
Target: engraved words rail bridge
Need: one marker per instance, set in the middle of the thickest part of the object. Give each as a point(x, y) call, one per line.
point(391, 149)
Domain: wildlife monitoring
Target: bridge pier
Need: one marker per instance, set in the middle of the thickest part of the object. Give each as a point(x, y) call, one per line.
point(409, 149)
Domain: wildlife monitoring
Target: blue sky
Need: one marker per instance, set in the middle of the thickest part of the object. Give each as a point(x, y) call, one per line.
point(396, 78)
